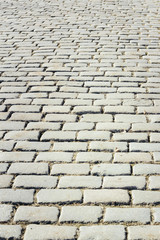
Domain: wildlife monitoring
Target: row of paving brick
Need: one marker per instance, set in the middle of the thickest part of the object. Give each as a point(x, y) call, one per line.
point(79, 120)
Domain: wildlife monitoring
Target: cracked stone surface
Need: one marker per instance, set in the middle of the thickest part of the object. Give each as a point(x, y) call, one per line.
point(80, 119)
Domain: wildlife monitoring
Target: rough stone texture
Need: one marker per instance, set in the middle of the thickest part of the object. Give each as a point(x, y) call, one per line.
point(10, 231)
point(59, 196)
point(112, 232)
point(128, 182)
point(82, 214)
point(36, 214)
point(29, 181)
point(79, 119)
point(141, 215)
point(44, 232)
point(143, 232)
point(106, 196)
point(5, 212)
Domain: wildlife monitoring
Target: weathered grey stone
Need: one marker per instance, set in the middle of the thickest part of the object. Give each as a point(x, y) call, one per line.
point(83, 214)
point(41, 232)
point(112, 232)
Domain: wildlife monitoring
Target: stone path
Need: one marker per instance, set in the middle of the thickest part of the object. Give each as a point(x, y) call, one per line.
point(80, 119)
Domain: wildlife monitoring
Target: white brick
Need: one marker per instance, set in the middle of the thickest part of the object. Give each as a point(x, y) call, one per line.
point(140, 215)
point(82, 214)
point(41, 232)
point(112, 232)
point(79, 182)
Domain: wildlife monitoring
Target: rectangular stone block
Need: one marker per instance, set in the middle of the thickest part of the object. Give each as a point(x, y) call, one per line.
point(111, 169)
point(93, 157)
point(28, 168)
point(132, 157)
point(143, 232)
point(80, 214)
point(10, 231)
point(60, 196)
point(16, 156)
point(42, 232)
point(116, 196)
point(70, 169)
point(5, 212)
point(80, 182)
point(54, 157)
point(145, 197)
point(112, 232)
point(108, 146)
point(70, 146)
point(16, 196)
point(36, 214)
point(118, 215)
point(29, 181)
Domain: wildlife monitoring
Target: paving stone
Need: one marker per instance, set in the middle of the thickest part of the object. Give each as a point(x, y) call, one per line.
point(154, 183)
point(94, 157)
point(10, 231)
point(16, 196)
point(70, 169)
point(5, 212)
point(78, 126)
point(147, 169)
point(115, 127)
point(96, 118)
point(156, 156)
point(60, 196)
point(54, 157)
point(132, 157)
point(130, 118)
point(145, 197)
point(119, 109)
point(10, 125)
point(28, 168)
point(60, 118)
point(143, 232)
point(116, 196)
point(67, 146)
point(16, 156)
point(3, 167)
point(22, 135)
point(93, 135)
point(81, 214)
point(111, 169)
point(110, 146)
point(126, 182)
point(36, 214)
point(80, 182)
point(24, 108)
point(56, 109)
point(131, 137)
point(155, 137)
point(59, 136)
point(144, 147)
point(139, 127)
point(31, 146)
point(86, 109)
point(140, 215)
point(112, 232)
point(29, 181)
point(35, 117)
point(7, 145)
point(44, 232)
point(43, 126)
point(156, 214)
point(5, 181)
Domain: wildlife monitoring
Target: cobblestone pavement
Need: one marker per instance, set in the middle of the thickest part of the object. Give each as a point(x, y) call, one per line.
point(80, 119)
